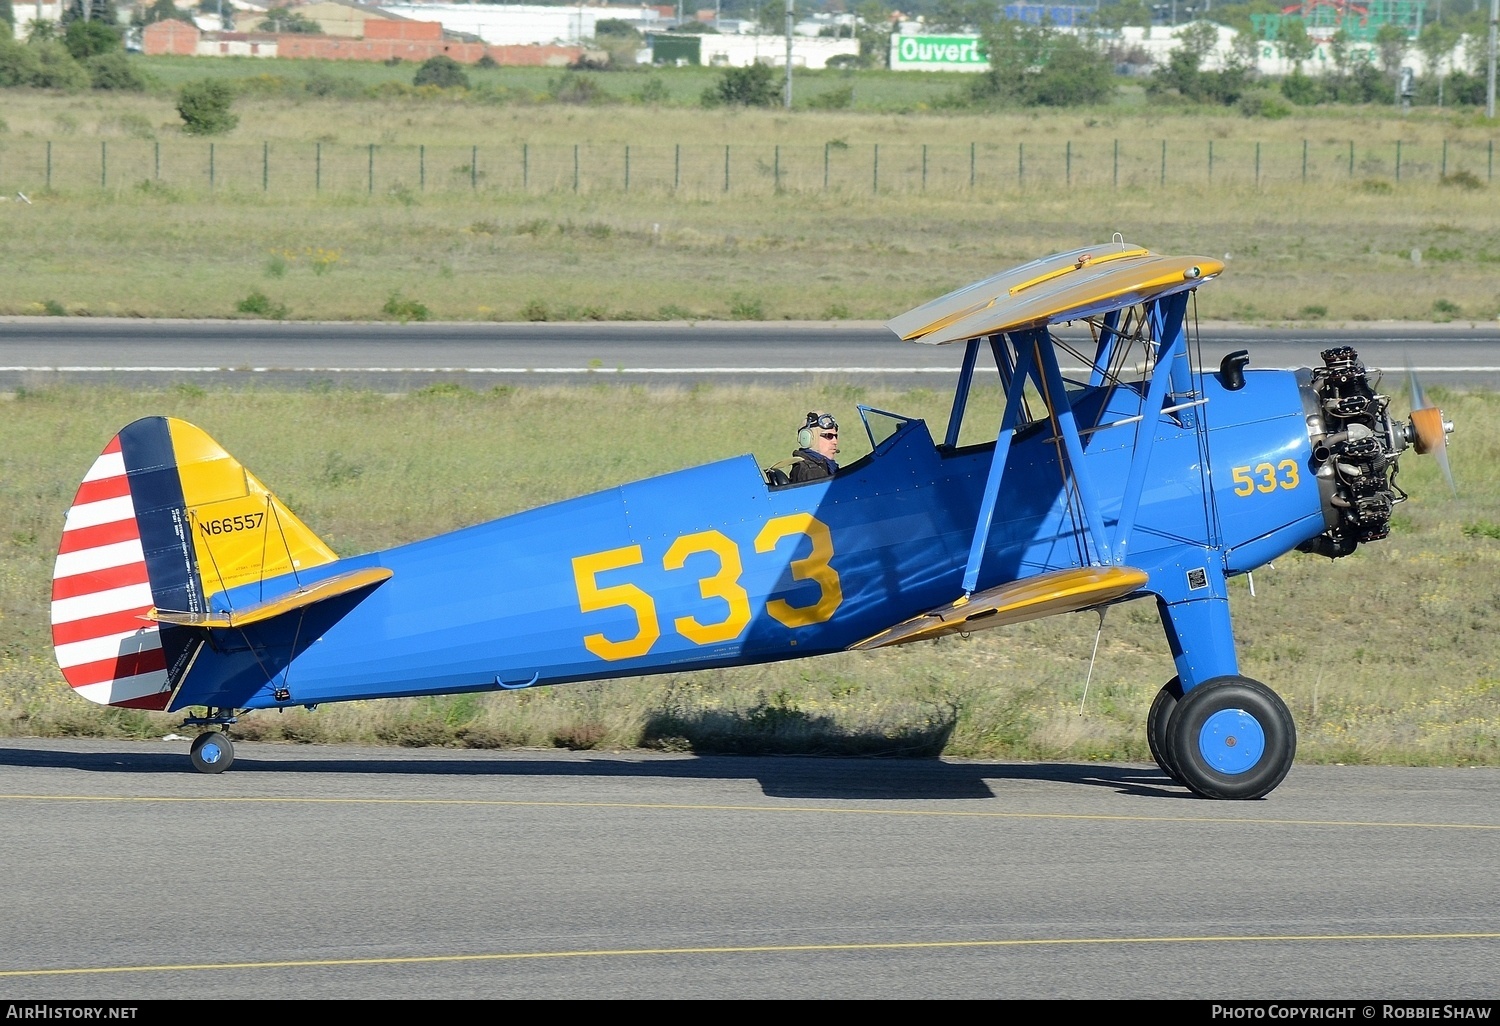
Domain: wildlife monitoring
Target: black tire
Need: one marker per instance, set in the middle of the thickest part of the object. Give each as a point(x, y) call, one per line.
point(212, 752)
point(1157, 722)
point(1231, 737)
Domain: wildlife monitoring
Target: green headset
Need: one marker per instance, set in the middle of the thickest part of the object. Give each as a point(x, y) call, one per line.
point(814, 420)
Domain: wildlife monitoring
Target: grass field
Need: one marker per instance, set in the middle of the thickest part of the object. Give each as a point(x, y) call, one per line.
point(1388, 656)
point(450, 208)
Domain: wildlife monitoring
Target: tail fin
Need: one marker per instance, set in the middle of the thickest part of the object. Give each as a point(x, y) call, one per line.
point(164, 520)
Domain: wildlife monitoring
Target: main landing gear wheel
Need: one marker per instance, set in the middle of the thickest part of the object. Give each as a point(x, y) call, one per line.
point(212, 752)
point(1157, 721)
point(1231, 737)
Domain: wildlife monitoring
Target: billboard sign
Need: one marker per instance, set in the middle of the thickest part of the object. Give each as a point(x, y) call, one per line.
point(937, 53)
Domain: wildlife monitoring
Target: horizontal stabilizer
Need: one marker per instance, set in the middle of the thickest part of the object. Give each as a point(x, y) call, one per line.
point(1061, 591)
point(298, 598)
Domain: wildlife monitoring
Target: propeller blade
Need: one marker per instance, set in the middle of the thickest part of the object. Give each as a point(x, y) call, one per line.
point(1429, 431)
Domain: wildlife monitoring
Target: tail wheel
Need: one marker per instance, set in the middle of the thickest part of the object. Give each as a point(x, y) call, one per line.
point(212, 752)
point(1231, 737)
point(1157, 721)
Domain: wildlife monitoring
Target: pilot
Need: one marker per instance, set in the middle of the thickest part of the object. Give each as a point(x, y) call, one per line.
point(818, 444)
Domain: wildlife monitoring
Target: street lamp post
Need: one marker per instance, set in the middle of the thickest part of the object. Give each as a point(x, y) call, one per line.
point(789, 15)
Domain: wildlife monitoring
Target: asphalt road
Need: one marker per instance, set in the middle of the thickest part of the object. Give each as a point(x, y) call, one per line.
point(35, 352)
point(332, 872)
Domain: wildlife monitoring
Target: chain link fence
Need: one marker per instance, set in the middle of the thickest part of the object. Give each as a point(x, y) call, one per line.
point(702, 171)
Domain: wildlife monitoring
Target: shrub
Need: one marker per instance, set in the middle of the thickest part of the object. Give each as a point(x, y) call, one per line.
point(1263, 105)
point(751, 86)
point(50, 66)
point(258, 304)
point(443, 72)
point(403, 309)
point(1462, 179)
point(204, 106)
point(114, 71)
point(834, 99)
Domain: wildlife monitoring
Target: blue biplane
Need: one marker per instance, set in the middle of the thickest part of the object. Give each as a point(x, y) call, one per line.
point(183, 583)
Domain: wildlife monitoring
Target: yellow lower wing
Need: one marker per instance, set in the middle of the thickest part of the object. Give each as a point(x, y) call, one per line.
point(1061, 591)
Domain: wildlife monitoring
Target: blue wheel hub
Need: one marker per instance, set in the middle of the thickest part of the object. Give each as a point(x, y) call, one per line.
point(1232, 741)
point(211, 752)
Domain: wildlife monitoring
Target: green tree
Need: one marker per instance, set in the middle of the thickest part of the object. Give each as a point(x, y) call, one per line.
point(161, 10)
point(1436, 42)
point(1117, 15)
point(615, 28)
point(1390, 43)
point(443, 72)
point(754, 85)
point(205, 107)
point(1295, 44)
point(8, 16)
point(102, 11)
point(282, 19)
point(85, 39)
point(1035, 65)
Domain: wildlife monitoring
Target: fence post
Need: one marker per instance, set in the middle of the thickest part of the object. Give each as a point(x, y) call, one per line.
point(157, 174)
point(924, 167)
point(575, 167)
point(726, 167)
point(1304, 161)
point(826, 147)
point(875, 171)
point(265, 166)
point(1117, 163)
point(1398, 160)
point(1257, 163)
point(103, 164)
point(627, 167)
point(972, 164)
point(474, 168)
point(1020, 163)
point(1163, 162)
point(210, 167)
point(1351, 158)
point(776, 169)
point(318, 168)
point(1068, 164)
point(1210, 161)
point(676, 167)
point(49, 164)
point(371, 183)
point(1445, 158)
point(525, 166)
point(422, 168)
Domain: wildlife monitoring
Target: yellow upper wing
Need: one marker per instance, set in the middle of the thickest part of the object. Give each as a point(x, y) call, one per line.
point(1059, 288)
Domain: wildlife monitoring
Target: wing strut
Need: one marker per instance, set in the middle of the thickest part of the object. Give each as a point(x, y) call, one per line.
point(997, 465)
point(961, 394)
point(1056, 397)
point(1166, 319)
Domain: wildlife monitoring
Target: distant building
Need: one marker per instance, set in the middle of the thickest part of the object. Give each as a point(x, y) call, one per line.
point(383, 38)
point(522, 24)
point(739, 51)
